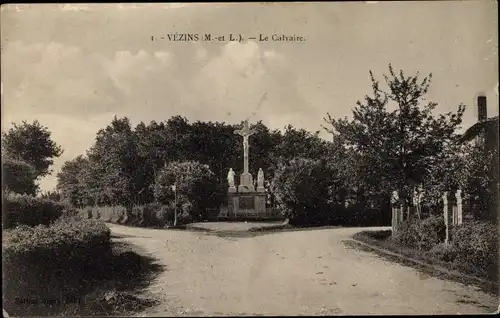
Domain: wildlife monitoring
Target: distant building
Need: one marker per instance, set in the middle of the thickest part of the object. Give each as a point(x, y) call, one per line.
point(484, 133)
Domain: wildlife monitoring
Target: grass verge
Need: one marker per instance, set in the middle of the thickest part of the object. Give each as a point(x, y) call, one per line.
point(419, 260)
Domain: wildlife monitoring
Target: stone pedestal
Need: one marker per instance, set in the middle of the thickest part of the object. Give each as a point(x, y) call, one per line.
point(261, 189)
point(246, 205)
point(246, 183)
point(231, 189)
point(232, 204)
point(260, 203)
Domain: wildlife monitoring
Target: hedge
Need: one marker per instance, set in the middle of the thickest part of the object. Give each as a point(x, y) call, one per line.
point(148, 215)
point(421, 234)
point(473, 248)
point(53, 262)
point(28, 210)
point(59, 241)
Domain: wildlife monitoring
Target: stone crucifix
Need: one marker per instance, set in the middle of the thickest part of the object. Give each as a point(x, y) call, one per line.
point(245, 132)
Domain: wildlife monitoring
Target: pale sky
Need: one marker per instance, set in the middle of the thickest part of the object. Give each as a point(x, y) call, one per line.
point(73, 67)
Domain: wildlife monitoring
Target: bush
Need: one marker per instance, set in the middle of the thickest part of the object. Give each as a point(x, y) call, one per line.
point(406, 234)
point(421, 234)
point(58, 238)
point(148, 215)
point(431, 232)
point(301, 189)
point(29, 210)
point(185, 214)
point(443, 252)
point(165, 215)
point(196, 186)
point(50, 261)
point(476, 244)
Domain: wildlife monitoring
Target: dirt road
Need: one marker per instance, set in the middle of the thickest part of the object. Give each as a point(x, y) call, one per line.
point(290, 273)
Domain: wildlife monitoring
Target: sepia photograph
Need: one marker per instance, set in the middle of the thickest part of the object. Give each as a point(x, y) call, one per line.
point(250, 159)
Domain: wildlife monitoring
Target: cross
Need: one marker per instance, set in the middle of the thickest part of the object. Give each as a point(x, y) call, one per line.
point(245, 132)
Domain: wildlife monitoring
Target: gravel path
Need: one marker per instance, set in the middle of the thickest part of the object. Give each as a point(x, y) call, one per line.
point(290, 273)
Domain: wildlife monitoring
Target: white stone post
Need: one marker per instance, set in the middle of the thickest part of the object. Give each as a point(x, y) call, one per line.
point(458, 195)
point(395, 211)
point(446, 219)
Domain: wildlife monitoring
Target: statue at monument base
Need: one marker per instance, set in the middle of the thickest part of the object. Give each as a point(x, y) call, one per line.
point(230, 180)
point(260, 181)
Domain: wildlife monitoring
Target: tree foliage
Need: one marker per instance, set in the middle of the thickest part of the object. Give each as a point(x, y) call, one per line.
point(113, 160)
point(71, 181)
point(18, 176)
point(397, 149)
point(124, 162)
point(301, 188)
point(32, 144)
point(196, 187)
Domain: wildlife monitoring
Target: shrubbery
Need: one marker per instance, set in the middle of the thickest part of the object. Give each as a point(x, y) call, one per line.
point(476, 244)
point(301, 189)
point(28, 210)
point(148, 215)
point(61, 240)
point(196, 189)
point(473, 249)
point(51, 262)
point(421, 234)
point(473, 246)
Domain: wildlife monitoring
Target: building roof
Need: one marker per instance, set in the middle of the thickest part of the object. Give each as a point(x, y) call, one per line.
point(477, 128)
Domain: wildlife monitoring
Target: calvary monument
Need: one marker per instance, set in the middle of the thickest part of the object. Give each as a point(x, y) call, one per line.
point(246, 201)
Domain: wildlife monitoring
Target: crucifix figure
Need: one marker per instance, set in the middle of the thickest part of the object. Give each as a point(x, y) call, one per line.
point(245, 132)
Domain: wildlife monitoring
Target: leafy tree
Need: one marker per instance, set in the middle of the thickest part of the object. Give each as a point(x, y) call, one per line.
point(113, 160)
point(301, 188)
point(264, 152)
point(71, 181)
point(124, 163)
point(18, 176)
point(397, 149)
point(196, 187)
point(152, 153)
point(468, 168)
point(178, 139)
point(216, 145)
point(32, 144)
point(296, 143)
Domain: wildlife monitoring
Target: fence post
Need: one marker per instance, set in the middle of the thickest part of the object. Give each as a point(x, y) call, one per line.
point(445, 212)
point(417, 201)
point(395, 211)
point(450, 213)
point(458, 196)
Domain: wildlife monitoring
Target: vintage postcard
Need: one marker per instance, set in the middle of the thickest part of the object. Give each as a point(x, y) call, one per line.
point(250, 159)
